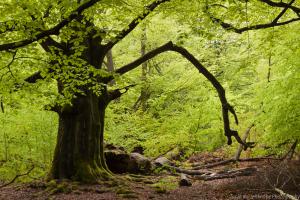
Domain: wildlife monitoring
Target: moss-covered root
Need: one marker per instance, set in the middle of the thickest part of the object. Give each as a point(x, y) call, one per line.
point(60, 186)
point(125, 192)
point(91, 173)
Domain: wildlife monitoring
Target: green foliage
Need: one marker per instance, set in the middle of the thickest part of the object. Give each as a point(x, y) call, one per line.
point(280, 96)
point(27, 139)
point(183, 109)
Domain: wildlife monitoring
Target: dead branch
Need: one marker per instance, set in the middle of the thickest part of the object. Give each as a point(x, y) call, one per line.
point(290, 153)
point(197, 164)
point(212, 165)
point(187, 171)
point(184, 180)
point(211, 175)
point(16, 177)
point(227, 174)
point(244, 138)
point(225, 162)
point(282, 193)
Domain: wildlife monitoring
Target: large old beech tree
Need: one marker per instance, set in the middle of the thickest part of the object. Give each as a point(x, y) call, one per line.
point(76, 45)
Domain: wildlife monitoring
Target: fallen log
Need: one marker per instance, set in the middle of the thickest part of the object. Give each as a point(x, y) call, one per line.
point(211, 165)
point(224, 162)
point(211, 175)
point(227, 174)
point(184, 180)
point(214, 160)
point(187, 171)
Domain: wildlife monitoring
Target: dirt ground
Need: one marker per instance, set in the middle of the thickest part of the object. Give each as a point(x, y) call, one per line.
point(260, 185)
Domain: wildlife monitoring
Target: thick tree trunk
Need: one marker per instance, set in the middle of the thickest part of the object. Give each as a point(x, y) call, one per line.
point(79, 151)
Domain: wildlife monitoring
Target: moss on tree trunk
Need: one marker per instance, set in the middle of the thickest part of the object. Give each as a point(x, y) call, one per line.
point(79, 153)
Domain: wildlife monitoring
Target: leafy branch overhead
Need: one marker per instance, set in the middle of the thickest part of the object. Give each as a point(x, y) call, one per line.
point(52, 31)
point(74, 15)
point(77, 13)
point(73, 46)
point(274, 23)
point(169, 109)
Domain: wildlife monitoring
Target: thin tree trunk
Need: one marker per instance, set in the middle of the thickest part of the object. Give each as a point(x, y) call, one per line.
point(145, 95)
point(110, 64)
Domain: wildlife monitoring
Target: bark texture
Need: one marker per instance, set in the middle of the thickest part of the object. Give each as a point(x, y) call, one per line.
point(79, 153)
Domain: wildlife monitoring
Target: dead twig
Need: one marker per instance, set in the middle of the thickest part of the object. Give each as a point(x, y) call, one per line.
point(282, 193)
point(290, 153)
point(16, 177)
point(244, 138)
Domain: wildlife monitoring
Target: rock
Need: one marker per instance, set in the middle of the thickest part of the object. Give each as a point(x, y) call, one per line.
point(139, 164)
point(122, 148)
point(161, 161)
point(110, 146)
point(117, 160)
point(138, 149)
point(174, 154)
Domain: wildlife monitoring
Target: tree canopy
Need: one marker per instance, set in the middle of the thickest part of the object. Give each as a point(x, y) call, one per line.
point(184, 74)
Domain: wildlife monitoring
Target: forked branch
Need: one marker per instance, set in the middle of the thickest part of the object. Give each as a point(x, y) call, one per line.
point(148, 9)
point(282, 5)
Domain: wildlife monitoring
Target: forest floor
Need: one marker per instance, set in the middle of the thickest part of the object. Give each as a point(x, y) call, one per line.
point(270, 174)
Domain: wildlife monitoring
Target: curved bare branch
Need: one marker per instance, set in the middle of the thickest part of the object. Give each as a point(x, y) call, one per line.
point(226, 107)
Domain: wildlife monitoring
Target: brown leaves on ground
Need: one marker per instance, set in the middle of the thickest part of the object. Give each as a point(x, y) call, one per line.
point(270, 174)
